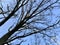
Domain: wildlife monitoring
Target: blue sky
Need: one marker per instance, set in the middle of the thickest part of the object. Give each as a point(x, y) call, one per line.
point(4, 28)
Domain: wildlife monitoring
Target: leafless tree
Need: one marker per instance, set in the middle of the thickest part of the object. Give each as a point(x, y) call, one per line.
point(32, 18)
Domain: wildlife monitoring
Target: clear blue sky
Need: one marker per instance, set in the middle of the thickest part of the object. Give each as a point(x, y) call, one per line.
point(5, 27)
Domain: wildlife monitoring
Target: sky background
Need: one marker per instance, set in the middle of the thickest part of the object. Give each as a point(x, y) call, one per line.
point(4, 28)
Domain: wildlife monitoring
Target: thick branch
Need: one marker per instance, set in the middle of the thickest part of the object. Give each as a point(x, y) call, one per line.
point(45, 29)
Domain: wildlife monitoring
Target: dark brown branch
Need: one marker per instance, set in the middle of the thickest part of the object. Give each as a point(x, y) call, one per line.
point(16, 8)
point(45, 29)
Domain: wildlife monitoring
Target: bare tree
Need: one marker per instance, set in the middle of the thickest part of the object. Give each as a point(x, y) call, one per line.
point(31, 17)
